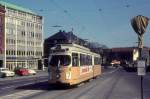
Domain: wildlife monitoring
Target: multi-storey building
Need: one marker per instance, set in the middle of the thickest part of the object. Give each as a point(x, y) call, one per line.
point(21, 37)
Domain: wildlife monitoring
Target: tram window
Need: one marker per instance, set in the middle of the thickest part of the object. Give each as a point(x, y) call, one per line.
point(75, 59)
point(64, 60)
point(88, 60)
point(85, 60)
point(96, 60)
point(82, 59)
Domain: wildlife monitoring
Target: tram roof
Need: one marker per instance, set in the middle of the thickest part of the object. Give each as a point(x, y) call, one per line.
point(71, 45)
point(76, 47)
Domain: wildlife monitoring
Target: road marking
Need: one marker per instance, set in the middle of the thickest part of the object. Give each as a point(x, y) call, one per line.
point(21, 94)
point(84, 96)
point(105, 73)
point(8, 87)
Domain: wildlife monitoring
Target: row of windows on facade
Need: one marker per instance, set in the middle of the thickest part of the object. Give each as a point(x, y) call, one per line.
point(84, 60)
point(18, 22)
point(23, 53)
point(13, 65)
point(21, 14)
point(23, 43)
point(10, 31)
point(31, 34)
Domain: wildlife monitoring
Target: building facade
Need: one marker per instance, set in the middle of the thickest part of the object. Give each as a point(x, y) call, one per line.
point(130, 54)
point(21, 37)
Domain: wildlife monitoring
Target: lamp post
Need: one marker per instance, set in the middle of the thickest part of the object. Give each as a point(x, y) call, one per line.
point(139, 24)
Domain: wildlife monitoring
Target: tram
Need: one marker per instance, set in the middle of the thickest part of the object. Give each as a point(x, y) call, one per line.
point(72, 64)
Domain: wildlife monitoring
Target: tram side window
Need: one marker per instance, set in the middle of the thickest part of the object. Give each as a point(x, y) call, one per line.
point(85, 60)
point(89, 60)
point(82, 59)
point(75, 59)
point(96, 60)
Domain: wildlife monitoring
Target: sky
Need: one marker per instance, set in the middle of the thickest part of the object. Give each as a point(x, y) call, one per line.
point(104, 21)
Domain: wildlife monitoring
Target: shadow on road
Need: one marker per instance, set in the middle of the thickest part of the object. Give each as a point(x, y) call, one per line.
point(45, 86)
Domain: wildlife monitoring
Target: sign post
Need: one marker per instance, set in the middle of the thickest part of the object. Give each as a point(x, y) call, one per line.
point(139, 24)
point(141, 72)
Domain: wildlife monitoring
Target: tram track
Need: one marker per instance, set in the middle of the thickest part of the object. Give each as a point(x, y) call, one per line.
point(87, 93)
point(87, 86)
point(14, 86)
point(52, 92)
point(73, 92)
point(115, 81)
point(78, 92)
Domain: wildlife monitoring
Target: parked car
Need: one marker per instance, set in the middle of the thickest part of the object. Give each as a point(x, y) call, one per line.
point(31, 71)
point(5, 72)
point(22, 71)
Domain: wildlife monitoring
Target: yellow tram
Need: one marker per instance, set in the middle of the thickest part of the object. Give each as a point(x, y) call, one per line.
point(72, 64)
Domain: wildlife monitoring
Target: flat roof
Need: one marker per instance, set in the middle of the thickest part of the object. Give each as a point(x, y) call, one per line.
point(127, 49)
point(16, 7)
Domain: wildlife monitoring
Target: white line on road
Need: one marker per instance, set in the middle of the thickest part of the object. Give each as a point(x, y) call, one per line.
point(21, 94)
point(7, 87)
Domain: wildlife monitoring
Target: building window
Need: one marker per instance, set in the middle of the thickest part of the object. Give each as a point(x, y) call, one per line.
point(23, 33)
point(22, 23)
point(7, 52)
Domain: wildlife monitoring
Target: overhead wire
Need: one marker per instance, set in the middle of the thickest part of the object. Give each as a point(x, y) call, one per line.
point(75, 20)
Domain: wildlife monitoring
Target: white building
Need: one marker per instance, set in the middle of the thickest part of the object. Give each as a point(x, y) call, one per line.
point(21, 37)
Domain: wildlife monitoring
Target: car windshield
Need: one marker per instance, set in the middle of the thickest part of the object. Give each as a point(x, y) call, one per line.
point(62, 60)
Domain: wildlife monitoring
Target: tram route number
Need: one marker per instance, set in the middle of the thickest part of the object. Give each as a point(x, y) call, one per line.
point(68, 75)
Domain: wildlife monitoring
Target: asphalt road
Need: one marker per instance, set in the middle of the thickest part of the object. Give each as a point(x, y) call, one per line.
point(113, 84)
point(12, 84)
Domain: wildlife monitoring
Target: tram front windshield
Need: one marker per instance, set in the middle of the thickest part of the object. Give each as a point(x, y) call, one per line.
point(63, 59)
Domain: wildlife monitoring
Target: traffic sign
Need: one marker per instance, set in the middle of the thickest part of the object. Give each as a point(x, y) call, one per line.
point(141, 68)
